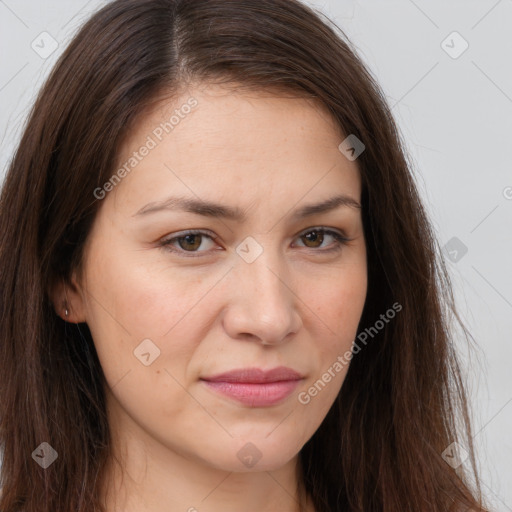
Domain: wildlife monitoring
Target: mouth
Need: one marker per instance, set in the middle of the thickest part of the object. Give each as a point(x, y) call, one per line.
point(255, 387)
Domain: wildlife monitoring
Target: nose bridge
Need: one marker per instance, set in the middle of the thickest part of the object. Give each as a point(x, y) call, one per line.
point(264, 274)
point(263, 303)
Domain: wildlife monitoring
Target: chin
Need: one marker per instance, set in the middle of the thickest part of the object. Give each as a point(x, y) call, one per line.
point(248, 454)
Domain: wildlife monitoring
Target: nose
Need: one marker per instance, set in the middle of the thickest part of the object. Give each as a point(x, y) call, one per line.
point(262, 305)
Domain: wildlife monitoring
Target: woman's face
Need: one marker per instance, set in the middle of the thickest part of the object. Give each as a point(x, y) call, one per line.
point(260, 287)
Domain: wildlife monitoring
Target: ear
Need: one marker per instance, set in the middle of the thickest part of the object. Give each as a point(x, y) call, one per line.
point(68, 296)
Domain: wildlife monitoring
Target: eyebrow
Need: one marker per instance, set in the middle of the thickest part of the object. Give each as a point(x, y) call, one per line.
point(216, 210)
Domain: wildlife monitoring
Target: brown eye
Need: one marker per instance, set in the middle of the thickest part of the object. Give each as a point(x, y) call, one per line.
point(325, 240)
point(313, 239)
point(189, 242)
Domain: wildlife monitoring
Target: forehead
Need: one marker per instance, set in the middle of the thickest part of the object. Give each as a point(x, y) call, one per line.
point(211, 141)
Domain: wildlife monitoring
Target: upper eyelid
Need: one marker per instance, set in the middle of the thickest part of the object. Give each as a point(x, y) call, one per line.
point(213, 236)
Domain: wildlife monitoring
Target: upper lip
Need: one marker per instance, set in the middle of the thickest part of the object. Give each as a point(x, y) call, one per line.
point(256, 375)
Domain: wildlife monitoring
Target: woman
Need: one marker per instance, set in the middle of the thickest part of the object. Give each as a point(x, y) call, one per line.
point(220, 290)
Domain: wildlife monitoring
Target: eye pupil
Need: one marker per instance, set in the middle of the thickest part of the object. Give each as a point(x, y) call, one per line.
point(190, 240)
point(316, 237)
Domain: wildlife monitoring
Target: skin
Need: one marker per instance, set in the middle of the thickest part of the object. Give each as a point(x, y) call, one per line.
point(176, 439)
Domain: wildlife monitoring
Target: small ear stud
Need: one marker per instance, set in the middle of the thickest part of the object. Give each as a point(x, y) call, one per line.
point(66, 310)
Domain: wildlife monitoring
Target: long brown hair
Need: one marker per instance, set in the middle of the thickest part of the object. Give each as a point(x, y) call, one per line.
point(402, 402)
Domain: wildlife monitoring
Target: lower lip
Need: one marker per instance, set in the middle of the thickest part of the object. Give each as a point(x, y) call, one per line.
point(255, 394)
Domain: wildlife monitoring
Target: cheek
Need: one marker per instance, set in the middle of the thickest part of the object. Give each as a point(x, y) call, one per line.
point(129, 303)
point(338, 308)
point(140, 291)
point(338, 302)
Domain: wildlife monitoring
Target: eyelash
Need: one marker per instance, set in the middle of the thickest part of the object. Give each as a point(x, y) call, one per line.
point(340, 239)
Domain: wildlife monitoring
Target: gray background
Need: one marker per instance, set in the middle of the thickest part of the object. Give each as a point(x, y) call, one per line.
point(455, 114)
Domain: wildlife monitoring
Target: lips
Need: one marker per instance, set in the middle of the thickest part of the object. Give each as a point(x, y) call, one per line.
point(255, 387)
point(256, 376)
